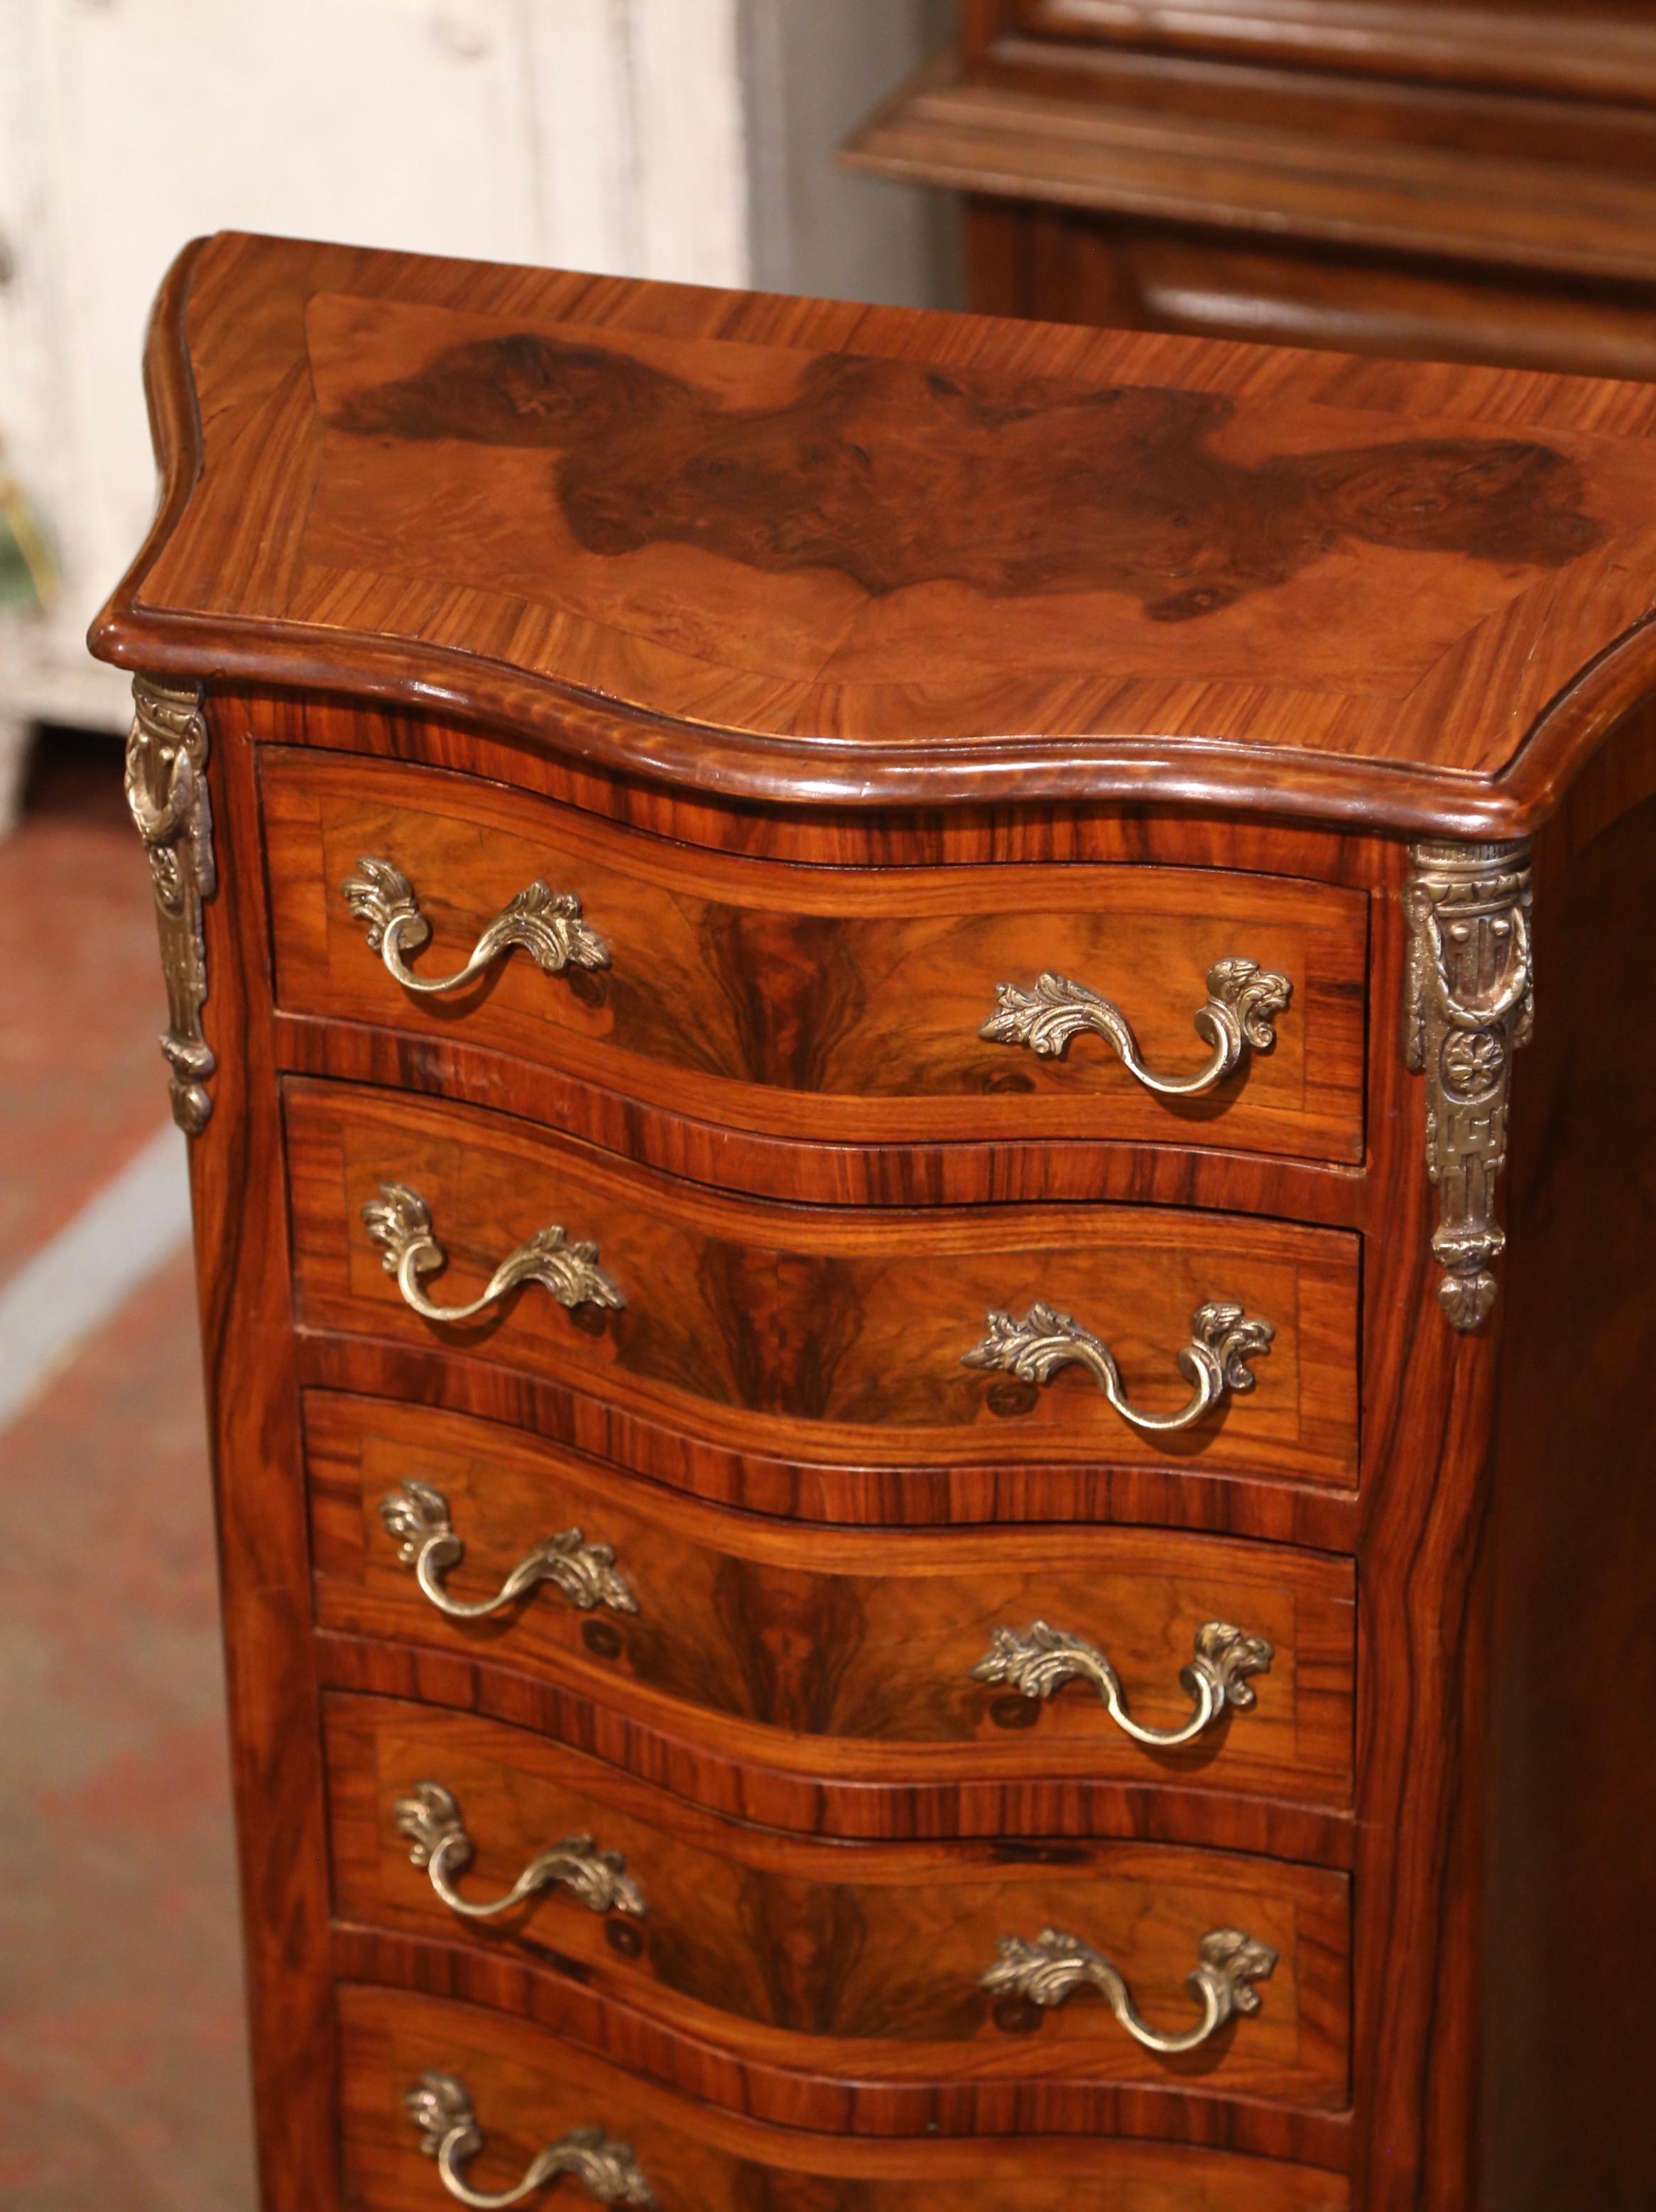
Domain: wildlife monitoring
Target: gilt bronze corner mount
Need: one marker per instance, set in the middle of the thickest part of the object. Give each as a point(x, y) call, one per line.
point(1470, 1007)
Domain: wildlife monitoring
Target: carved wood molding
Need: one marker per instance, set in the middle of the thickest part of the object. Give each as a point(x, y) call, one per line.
point(166, 791)
point(1470, 1007)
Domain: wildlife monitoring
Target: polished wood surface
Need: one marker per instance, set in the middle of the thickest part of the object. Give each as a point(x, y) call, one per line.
point(1607, 49)
point(1040, 832)
point(865, 1640)
point(875, 986)
point(1219, 150)
point(826, 1335)
point(1423, 1508)
point(529, 2089)
point(817, 1500)
point(445, 1057)
point(1059, 263)
point(863, 1960)
point(1238, 606)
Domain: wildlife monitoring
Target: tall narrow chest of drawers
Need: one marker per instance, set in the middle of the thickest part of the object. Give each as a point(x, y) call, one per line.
point(919, 1070)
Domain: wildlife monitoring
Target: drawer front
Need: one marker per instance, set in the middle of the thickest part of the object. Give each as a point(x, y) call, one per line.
point(822, 1333)
point(916, 1656)
point(858, 1961)
point(835, 1004)
point(528, 2092)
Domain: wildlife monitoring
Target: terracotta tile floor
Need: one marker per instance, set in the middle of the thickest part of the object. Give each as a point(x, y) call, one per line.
point(122, 2062)
point(83, 1002)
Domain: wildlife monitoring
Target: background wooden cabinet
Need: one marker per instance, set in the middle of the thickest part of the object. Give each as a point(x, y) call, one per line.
point(1469, 182)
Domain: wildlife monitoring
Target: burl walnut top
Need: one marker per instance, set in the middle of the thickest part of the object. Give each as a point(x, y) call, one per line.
point(799, 550)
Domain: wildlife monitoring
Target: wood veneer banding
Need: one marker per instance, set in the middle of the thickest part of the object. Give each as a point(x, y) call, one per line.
point(852, 1970)
point(853, 1648)
point(696, 1761)
point(1374, 1437)
point(824, 1334)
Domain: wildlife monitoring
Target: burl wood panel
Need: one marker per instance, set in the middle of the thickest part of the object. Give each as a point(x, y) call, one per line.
point(852, 1650)
point(529, 2089)
point(829, 1335)
point(876, 556)
point(819, 1003)
point(858, 1963)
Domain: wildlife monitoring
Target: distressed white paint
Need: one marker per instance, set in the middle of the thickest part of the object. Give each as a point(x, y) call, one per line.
point(601, 134)
point(577, 87)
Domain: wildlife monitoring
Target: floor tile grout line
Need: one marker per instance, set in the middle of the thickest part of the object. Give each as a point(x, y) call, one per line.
point(59, 1297)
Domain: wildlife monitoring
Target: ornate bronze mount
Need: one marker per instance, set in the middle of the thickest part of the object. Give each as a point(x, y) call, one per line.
point(430, 1817)
point(1216, 1361)
point(1055, 1965)
point(166, 791)
point(547, 924)
point(417, 1517)
point(1470, 1006)
point(1040, 1659)
point(441, 2111)
point(1242, 1002)
point(399, 1221)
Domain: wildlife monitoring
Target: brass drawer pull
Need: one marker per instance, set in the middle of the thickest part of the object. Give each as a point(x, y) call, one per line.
point(1049, 1970)
point(430, 1817)
point(418, 1515)
point(441, 2110)
point(1039, 1659)
point(399, 1221)
point(1243, 1000)
point(1222, 1341)
point(546, 923)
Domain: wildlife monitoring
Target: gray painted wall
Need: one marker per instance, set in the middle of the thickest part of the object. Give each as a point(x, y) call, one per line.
point(813, 70)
